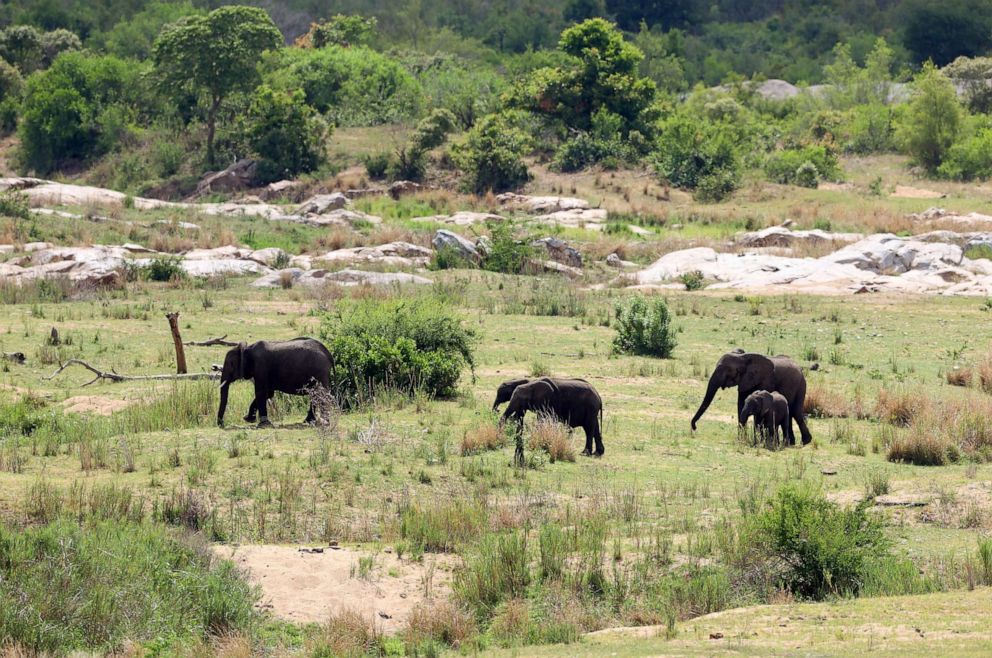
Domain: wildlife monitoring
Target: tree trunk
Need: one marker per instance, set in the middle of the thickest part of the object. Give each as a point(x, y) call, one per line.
point(177, 339)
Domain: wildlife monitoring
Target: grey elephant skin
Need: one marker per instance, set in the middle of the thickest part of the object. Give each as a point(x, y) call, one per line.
point(572, 401)
point(770, 411)
point(751, 372)
point(288, 366)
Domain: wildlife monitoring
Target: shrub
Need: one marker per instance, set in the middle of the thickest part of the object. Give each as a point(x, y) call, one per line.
point(488, 436)
point(164, 268)
point(933, 119)
point(376, 164)
point(644, 328)
point(504, 253)
point(285, 135)
point(14, 204)
point(492, 155)
point(353, 86)
point(969, 159)
point(959, 377)
point(693, 280)
point(65, 588)
point(692, 153)
point(443, 525)
point(804, 167)
point(822, 549)
point(919, 446)
point(439, 621)
point(348, 633)
point(408, 345)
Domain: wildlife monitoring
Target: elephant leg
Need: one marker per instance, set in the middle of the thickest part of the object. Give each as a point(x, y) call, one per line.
point(262, 395)
point(803, 429)
point(587, 451)
point(252, 409)
point(311, 414)
point(598, 434)
point(741, 396)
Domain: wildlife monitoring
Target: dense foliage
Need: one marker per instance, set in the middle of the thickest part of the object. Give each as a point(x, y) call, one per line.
point(644, 327)
point(412, 345)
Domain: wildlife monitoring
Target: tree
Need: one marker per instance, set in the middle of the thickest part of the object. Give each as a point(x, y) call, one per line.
point(933, 119)
point(973, 75)
point(667, 13)
point(216, 54)
point(55, 43)
point(492, 155)
point(135, 36)
point(339, 30)
point(20, 45)
point(576, 11)
point(285, 134)
point(943, 31)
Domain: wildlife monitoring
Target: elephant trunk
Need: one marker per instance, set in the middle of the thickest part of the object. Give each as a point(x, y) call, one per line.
point(223, 403)
point(711, 390)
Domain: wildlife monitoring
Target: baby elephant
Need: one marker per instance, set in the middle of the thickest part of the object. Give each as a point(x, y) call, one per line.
point(770, 411)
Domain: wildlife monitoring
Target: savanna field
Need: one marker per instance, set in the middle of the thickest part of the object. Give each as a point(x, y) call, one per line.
point(455, 196)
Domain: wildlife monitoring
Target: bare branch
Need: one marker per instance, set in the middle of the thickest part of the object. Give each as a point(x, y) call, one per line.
point(211, 342)
point(114, 377)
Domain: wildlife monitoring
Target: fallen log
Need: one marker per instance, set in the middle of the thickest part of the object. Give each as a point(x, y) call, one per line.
point(115, 377)
point(211, 342)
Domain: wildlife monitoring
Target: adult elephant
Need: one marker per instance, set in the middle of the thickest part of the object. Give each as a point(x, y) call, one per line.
point(574, 402)
point(505, 391)
point(289, 366)
point(750, 372)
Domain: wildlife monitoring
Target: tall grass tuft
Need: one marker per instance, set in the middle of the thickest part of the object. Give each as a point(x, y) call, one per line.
point(551, 436)
point(443, 524)
point(498, 570)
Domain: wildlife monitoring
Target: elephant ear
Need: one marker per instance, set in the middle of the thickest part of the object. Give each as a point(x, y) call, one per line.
point(247, 361)
point(540, 393)
point(757, 373)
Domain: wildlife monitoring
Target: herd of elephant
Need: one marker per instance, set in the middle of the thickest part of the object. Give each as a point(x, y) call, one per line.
point(772, 390)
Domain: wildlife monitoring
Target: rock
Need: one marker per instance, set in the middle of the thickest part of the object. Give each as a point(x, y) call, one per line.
point(401, 187)
point(340, 217)
point(639, 230)
point(323, 203)
point(484, 245)
point(237, 177)
point(560, 268)
point(345, 278)
point(279, 189)
point(445, 239)
point(590, 218)
point(541, 204)
point(780, 236)
point(558, 250)
point(399, 254)
point(461, 218)
point(186, 226)
point(902, 500)
point(269, 257)
point(885, 253)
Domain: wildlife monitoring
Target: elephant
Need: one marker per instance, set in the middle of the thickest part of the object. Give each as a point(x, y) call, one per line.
point(751, 372)
point(289, 366)
point(572, 401)
point(770, 411)
point(505, 391)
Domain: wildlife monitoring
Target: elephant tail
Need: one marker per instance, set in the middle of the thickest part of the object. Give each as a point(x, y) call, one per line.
point(601, 419)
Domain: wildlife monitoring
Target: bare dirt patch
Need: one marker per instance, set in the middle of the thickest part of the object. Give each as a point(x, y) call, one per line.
point(308, 587)
point(94, 404)
point(907, 192)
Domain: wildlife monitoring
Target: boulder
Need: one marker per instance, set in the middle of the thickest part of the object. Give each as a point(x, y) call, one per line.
point(323, 203)
point(461, 218)
point(401, 187)
point(614, 260)
point(445, 239)
point(590, 218)
point(541, 204)
point(279, 189)
point(237, 177)
point(343, 278)
point(780, 236)
point(554, 266)
point(399, 254)
point(559, 250)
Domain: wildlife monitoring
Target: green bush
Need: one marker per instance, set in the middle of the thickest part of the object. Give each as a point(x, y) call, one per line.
point(285, 135)
point(822, 549)
point(692, 153)
point(353, 86)
point(644, 328)
point(932, 121)
point(408, 345)
point(77, 109)
point(499, 570)
point(969, 159)
point(376, 164)
point(164, 268)
point(492, 155)
point(14, 204)
point(64, 588)
point(792, 166)
point(504, 253)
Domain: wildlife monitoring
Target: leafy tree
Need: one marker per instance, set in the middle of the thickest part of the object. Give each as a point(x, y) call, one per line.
point(933, 119)
point(340, 30)
point(601, 74)
point(970, 158)
point(55, 43)
point(20, 45)
point(77, 109)
point(644, 328)
point(467, 91)
point(698, 155)
point(134, 37)
point(11, 82)
point(943, 31)
point(352, 86)
point(285, 134)
point(216, 54)
point(410, 161)
point(853, 85)
point(973, 74)
point(492, 155)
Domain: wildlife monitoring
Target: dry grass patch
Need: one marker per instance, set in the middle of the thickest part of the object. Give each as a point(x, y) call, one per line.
point(984, 369)
point(941, 431)
point(901, 407)
point(959, 377)
point(551, 436)
point(440, 621)
point(822, 402)
point(482, 438)
point(348, 633)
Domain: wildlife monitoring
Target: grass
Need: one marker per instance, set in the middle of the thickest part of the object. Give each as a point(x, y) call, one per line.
point(634, 538)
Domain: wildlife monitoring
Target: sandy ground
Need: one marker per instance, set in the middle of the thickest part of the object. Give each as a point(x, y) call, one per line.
point(907, 192)
point(309, 587)
point(94, 404)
